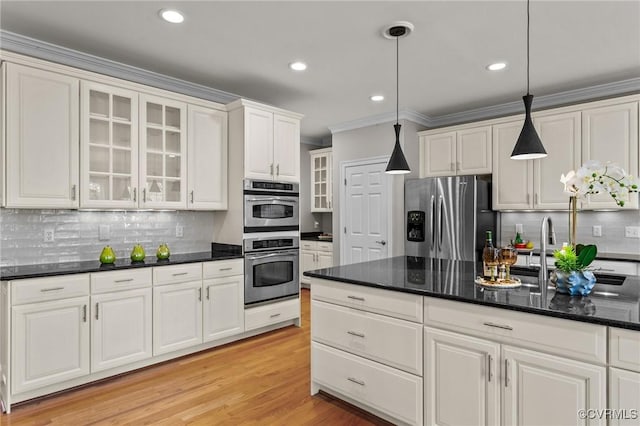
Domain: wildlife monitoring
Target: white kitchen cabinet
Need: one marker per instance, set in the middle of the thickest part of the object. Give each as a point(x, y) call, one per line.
point(461, 379)
point(42, 128)
point(163, 153)
point(546, 389)
point(610, 133)
point(265, 140)
point(314, 255)
point(461, 152)
point(321, 180)
point(3, 133)
point(121, 328)
point(223, 314)
point(207, 158)
point(624, 396)
point(512, 179)
point(50, 343)
point(177, 316)
point(108, 146)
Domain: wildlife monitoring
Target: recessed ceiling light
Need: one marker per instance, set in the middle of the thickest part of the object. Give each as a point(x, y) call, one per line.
point(377, 98)
point(497, 66)
point(298, 66)
point(171, 15)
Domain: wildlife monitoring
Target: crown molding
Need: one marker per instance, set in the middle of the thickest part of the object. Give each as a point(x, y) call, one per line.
point(386, 117)
point(28, 46)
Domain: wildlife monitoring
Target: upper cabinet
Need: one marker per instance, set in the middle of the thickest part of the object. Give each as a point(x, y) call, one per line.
point(109, 147)
point(42, 148)
point(269, 139)
point(512, 180)
point(207, 158)
point(163, 148)
point(610, 133)
point(321, 181)
point(462, 152)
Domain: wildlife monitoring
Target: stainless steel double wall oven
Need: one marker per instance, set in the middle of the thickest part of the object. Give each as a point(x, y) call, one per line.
point(271, 244)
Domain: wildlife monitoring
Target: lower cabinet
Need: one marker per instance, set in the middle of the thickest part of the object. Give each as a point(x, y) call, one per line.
point(50, 343)
point(177, 316)
point(223, 313)
point(624, 397)
point(121, 328)
point(314, 255)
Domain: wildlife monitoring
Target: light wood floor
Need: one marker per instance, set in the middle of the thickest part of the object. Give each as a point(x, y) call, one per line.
point(260, 381)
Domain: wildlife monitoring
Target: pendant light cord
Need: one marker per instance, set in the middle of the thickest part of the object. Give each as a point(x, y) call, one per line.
point(527, 47)
point(397, 78)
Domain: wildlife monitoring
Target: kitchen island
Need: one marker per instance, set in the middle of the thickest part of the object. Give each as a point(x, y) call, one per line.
point(415, 341)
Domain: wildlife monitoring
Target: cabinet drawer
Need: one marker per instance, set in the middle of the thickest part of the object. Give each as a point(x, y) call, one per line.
point(564, 337)
point(386, 389)
point(128, 279)
point(324, 246)
point(50, 288)
point(274, 313)
point(308, 245)
point(624, 348)
point(385, 302)
point(177, 273)
point(223, 268)
point(388, 340)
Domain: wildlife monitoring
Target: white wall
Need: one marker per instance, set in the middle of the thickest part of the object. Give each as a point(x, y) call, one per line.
point(368, 142)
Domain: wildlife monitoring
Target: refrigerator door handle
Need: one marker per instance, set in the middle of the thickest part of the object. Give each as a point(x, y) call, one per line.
point(441, 213)
point(433, 222)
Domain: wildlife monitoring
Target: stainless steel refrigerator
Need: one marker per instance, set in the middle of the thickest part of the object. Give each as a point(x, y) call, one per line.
point(446, 217)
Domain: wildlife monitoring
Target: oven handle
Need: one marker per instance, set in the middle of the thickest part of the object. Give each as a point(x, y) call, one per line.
point(282, 253)
point(286, 200)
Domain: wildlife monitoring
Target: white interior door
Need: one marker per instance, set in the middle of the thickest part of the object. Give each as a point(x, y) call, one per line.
point(365, 212)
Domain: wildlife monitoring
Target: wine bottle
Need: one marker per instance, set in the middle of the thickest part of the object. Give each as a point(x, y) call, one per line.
point(489, 258)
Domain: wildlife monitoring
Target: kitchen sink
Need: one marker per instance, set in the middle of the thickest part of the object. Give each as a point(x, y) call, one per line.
point(531, 271)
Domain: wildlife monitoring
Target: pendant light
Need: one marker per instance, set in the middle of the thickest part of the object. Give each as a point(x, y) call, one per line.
point(529, 146)
point(397, 163)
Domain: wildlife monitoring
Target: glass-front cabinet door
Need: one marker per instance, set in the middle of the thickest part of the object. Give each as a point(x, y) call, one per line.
point(163, 153)
point(321, 180)
point(109, 147)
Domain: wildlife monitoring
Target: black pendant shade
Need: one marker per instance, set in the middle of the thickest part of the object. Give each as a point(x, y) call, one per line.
point(529, 146)
point(397, 163)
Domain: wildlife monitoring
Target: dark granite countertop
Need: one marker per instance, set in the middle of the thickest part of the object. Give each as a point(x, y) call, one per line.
point(8, 273)
point(612, 305)
point(314, 236)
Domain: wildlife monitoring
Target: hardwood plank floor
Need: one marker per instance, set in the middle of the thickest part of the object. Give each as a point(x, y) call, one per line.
point(263, 380)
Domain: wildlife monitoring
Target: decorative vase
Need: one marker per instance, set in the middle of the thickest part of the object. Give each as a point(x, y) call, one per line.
point(575, 283)
point(107, 256)
point(137, 254)
point(163, 252)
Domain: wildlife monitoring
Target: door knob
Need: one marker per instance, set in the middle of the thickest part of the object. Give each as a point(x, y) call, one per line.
point(383, 242)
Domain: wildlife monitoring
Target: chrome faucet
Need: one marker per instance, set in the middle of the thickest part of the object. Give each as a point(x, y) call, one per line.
point(547, 235)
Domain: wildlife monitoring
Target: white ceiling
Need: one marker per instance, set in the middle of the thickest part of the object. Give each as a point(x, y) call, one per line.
point(244, 48)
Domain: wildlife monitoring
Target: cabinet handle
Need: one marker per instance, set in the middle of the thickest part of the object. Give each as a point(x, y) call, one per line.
point(489, 373)
point(45, 290)
point(274, 316)
point(355, 333)
point(535, 199)
point(504, 327)
point(506, 373)
point(144, 195)
point(191, 197)
point(126, 280)
point(177, 274)
point(225, 269)
point(200, 294)
point(271, 168)
point(84, 313)
point(278, 170)
point(356, 298)
point(527, 198)
point(208, 292)
point(97, 311)
point(73, 192)
point(135, 194)
point(356, 381)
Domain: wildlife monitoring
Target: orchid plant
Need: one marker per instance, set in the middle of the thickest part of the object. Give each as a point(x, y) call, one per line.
point(595, 177)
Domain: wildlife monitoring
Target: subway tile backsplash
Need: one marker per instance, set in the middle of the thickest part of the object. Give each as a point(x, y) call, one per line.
point(76, 234)
point(613, 228)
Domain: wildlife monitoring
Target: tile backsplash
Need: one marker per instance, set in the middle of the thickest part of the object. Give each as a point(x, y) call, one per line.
point(76, 234)
point(613, 228)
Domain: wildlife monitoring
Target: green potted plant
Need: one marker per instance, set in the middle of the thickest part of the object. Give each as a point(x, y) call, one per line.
point(571, 275)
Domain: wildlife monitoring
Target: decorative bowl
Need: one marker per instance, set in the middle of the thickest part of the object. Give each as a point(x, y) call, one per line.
point(575, 283)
